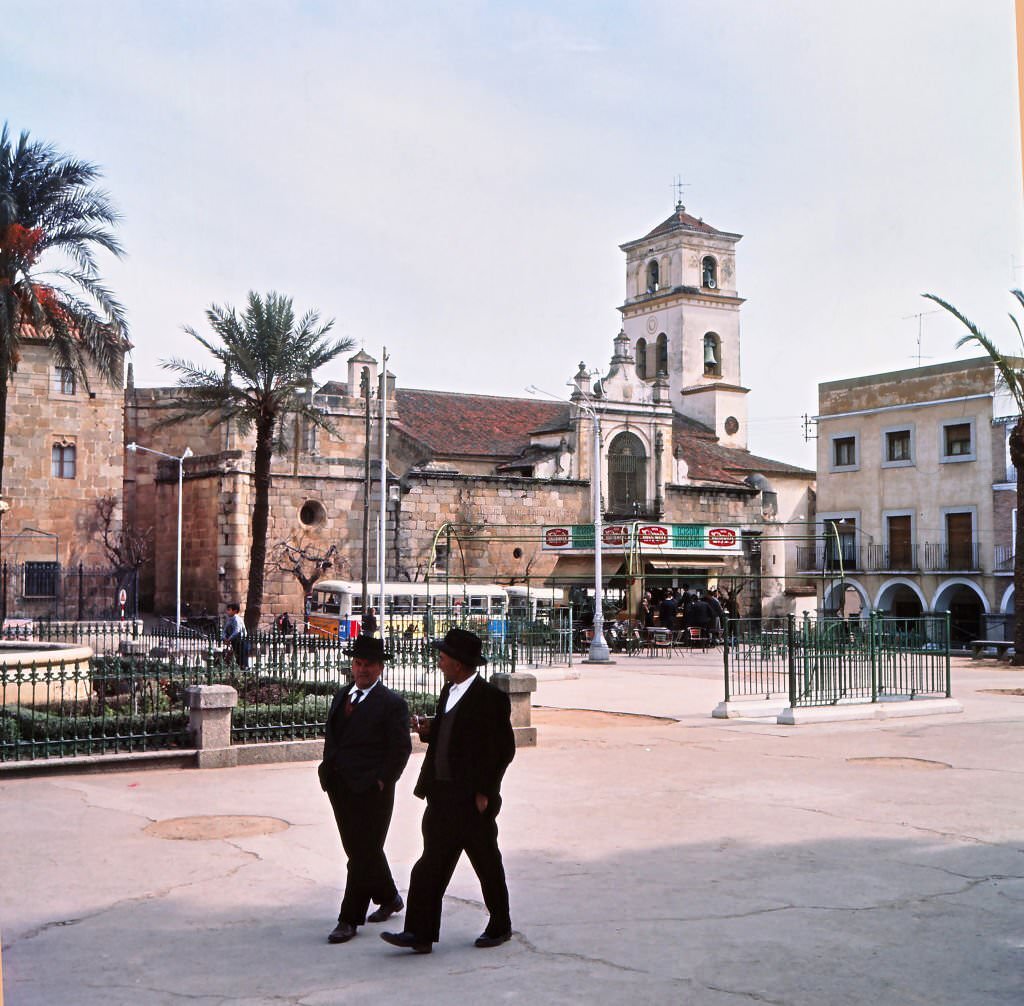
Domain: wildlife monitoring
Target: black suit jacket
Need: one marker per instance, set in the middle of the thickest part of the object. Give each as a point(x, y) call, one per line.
point(481, 746)
point(373, 743)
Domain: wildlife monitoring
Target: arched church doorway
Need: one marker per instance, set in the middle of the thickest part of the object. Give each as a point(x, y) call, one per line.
point(627, 475)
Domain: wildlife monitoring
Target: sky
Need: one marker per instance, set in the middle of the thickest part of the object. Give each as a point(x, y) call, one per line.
point(453, 181)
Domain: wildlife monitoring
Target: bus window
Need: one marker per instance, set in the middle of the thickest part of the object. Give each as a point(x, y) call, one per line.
point(402, 605)
point(419, 605)
point(332, 604)
point(477, 604)
point(497, 605)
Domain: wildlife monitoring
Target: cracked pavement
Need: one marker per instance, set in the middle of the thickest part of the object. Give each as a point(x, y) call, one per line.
point(679, 860)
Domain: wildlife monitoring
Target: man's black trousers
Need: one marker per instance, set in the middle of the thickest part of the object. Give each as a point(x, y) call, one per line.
point(363, 821)
point(452, 825)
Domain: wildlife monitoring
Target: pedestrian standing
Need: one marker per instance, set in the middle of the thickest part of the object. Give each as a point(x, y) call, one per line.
point(470, 743)
point(366, 748)
point(235, 637)
point(368, 625)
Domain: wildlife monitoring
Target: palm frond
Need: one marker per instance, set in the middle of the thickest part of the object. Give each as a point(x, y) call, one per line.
point(1011, 375)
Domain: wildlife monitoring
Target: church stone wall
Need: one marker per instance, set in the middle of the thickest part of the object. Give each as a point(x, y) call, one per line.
point(39, 415)
point(496, 516)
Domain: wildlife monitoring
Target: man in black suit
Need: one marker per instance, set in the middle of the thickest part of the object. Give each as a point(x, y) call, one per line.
point(470, 743)
point(365, 751)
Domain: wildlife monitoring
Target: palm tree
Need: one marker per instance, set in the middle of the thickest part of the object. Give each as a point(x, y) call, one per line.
point(49, 210)
point(1011, 374)
point(266, 358)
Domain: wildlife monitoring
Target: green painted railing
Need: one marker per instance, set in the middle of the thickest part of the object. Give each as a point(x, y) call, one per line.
point(817, 662)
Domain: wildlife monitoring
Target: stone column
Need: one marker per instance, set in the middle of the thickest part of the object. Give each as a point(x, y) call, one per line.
point(209, 719)
point(519, 687)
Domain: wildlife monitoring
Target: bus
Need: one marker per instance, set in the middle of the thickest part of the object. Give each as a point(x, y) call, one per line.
point(413, 610)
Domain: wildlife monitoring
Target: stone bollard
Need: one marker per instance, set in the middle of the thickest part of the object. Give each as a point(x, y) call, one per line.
point(209, 719)
point(519, 687)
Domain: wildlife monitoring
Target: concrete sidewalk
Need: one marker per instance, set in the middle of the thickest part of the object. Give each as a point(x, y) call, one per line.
point(679, 860)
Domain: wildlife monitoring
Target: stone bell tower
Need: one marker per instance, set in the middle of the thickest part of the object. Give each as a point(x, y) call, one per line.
point(682, 319)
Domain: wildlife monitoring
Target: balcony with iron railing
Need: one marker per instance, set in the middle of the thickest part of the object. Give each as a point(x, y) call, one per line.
point(928, 557)
point(1002, 559)
point(632, 509)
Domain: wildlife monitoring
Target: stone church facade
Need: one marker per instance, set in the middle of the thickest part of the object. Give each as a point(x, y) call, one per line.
point(510, 478)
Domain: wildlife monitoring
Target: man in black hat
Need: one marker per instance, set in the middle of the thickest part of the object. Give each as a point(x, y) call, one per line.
point(470, 743)
point(365, 750)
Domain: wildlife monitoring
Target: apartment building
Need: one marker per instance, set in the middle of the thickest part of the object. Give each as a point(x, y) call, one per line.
point(916, 496)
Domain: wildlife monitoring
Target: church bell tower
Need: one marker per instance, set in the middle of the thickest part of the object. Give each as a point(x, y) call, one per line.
point(681, 317)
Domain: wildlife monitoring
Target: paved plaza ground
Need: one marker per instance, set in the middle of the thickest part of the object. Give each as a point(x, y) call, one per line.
point(656, 857)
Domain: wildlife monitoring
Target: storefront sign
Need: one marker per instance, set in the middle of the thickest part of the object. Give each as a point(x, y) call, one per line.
point(652, 539)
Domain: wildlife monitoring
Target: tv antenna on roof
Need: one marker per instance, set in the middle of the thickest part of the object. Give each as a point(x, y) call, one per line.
point(920, 324)
point(677, 187)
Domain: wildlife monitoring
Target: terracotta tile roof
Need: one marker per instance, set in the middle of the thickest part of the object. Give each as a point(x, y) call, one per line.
point(680, 220)
point(452, 424)
point(710, 461)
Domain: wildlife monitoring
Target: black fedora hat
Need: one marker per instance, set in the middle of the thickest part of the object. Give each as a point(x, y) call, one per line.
point(367, 648)
point(465, 647)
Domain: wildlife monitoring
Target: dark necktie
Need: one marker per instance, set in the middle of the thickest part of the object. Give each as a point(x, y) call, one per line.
point(354, 698)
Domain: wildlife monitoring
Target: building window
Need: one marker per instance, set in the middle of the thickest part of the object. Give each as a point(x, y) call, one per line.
point(41, 579)
point(661, 356)
point(62, 458)
point(840, 543)
point(712, 355)
point(844, 453)
point(960, 540)
point(641, 359)
point(958, 441)
point(627, 475)
point(64, 381)
point(652, 276)
point(899, 447)
point(709, 273)
point(899, 534)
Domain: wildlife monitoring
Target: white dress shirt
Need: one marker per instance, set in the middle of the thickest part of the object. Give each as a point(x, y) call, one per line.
point(457, 691)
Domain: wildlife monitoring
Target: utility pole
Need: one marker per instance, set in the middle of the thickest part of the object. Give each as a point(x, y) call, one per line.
point(364, 390)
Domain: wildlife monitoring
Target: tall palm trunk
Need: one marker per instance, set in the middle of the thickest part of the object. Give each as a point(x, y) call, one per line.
point(260, 522)
point(1017, 458)
point(4, 386)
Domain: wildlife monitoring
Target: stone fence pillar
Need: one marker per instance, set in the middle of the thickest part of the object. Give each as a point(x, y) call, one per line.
point(209, 719)
point(519, 687)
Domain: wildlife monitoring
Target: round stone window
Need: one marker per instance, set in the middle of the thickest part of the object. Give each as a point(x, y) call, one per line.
point(517, 553)
point(732, 425)
point(312, 513)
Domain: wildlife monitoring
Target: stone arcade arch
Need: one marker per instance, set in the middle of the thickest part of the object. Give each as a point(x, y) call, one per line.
point(967, 607)
point(831, 597)
point(901, 597)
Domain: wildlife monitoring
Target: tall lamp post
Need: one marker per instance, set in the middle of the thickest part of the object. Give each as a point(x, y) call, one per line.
point(598, 653)
point(187, 453)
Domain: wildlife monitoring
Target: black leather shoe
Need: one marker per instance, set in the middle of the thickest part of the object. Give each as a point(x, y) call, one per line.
point(408, 941)
point(341, 933)
point(385, 912)
point(485, 940)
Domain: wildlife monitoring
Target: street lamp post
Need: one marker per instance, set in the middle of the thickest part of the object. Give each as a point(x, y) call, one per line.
point(598, 653)
point(187, 453)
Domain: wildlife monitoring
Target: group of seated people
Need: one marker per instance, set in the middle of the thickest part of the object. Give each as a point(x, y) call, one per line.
point(686, 609)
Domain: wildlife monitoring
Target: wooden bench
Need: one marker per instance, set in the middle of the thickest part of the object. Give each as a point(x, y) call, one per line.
point(1003, 648)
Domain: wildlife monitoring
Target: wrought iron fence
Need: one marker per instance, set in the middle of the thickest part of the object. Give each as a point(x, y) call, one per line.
point(130, 696)
point(48, 589)
point(828, 661)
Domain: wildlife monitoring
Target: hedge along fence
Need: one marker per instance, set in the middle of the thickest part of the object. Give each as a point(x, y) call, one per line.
point(124, 704)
